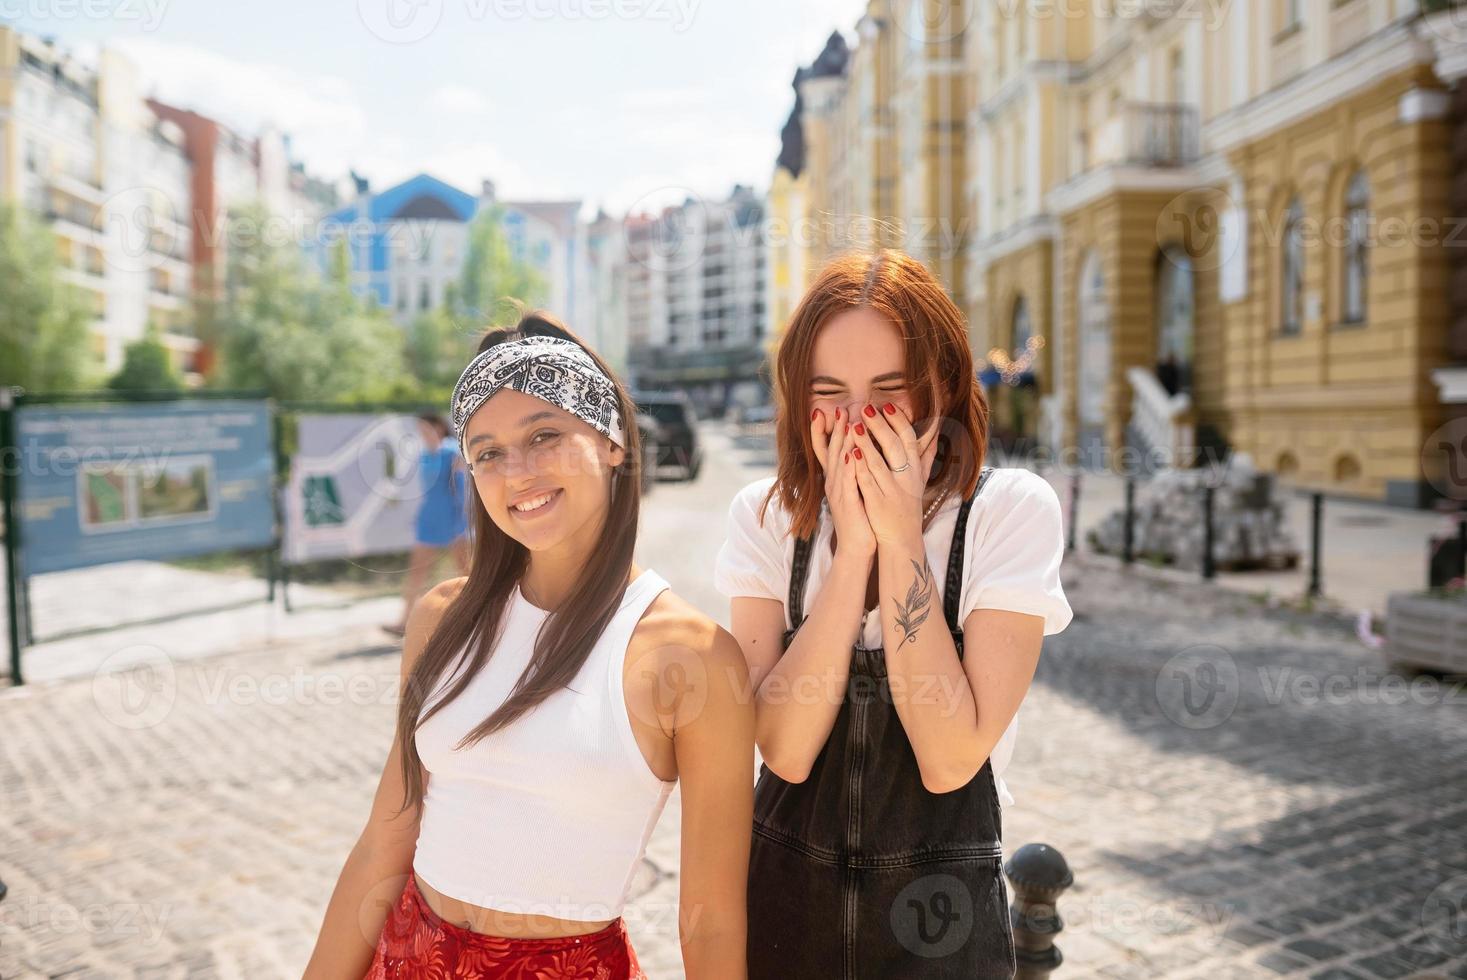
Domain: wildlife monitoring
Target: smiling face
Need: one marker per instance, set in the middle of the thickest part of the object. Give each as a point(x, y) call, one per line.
point(858, 359)
point(543, 474)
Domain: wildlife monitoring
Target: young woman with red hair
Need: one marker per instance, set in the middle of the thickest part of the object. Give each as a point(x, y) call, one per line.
point(877, 837)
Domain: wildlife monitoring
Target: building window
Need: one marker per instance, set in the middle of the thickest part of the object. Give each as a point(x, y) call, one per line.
point(425, 296)
point(1357, 248)
point(1291, 271)
point(1291, 15)
point(1023, 331)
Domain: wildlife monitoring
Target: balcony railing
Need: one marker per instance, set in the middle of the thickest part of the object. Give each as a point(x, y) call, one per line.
point(1151, 134)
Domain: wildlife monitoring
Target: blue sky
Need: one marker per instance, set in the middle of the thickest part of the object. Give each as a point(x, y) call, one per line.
point(616, 102)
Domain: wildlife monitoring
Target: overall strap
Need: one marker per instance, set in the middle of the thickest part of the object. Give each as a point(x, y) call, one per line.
point(953, 588)
point(799, 571)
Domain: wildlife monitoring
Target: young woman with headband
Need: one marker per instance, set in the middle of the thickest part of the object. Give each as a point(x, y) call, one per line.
point(891, 594)
point(550, 699)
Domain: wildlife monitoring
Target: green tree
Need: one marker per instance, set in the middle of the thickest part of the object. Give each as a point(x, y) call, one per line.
point(44, 323)
point(492, 274)
point(302, 336)
point(439, 345)
point(146, 366)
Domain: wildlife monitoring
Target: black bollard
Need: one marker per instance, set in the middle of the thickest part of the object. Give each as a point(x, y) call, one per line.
point(1316, 541)
point(1074, 511)
point(1038, 875)
point(1128, 528)
point(1209, 569)
point(1462, 546)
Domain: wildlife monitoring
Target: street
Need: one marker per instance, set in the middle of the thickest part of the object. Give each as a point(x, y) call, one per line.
point(1239, 791)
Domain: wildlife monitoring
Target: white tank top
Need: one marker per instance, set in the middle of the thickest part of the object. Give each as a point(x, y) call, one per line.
point(550, 815)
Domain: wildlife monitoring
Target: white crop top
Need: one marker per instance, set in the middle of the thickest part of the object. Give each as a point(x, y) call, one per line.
point(1014, 544)
point(550, 815)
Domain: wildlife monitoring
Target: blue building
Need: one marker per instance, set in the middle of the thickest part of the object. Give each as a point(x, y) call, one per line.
point(407, 243)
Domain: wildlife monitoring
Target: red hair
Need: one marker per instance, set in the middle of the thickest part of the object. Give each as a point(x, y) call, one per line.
point(939, 367)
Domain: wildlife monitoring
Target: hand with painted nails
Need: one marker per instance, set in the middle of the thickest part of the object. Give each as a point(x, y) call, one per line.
point(853, 532)
point(892, 464)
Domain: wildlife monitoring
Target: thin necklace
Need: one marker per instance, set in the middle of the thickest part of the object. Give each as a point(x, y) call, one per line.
point(933, 506)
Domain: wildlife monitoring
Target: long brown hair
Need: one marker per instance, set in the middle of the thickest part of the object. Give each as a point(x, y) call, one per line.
point(471, 624)
point(939, 366)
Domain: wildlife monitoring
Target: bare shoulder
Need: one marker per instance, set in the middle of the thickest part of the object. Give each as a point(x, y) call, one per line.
point(673, 624)
point(425, 616)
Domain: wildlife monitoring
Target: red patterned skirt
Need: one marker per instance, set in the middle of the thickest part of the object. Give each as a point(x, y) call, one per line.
point(416, 944)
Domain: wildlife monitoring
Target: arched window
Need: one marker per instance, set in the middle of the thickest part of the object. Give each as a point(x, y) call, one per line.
point(1023, 329)
point(1176, 309)
point(1357, 249)
point(1291, 269)
point(1094, 343)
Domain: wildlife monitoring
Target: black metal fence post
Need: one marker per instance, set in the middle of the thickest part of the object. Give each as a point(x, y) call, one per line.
point(1462, 546)
point(10, 459)
point(1316, 542)
point(1074, 511)
point(1129, 525)
point(1039, 874)
point(1209, 567)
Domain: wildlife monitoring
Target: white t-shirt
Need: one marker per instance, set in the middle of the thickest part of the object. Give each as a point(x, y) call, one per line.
point(1015, 541)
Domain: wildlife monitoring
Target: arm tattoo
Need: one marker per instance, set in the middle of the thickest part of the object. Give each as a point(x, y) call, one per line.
point(914, 611)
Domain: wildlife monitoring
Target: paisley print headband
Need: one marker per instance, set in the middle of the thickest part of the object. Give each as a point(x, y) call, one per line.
point(552, 369)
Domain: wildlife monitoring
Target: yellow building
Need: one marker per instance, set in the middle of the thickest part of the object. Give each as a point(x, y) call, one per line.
point(1017, 69)
point(930, 107)
point(1226, 223)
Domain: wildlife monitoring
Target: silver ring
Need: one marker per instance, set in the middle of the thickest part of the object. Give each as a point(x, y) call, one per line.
point(903, 468)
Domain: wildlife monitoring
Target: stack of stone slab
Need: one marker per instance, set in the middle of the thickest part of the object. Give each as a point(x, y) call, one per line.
point(1248, 523)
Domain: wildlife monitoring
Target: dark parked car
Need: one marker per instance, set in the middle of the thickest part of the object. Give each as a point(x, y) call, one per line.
point(651, 432)
point(678, 438)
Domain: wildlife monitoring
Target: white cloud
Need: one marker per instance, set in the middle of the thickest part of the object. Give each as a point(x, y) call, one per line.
point(456, 100)
point(327, 124)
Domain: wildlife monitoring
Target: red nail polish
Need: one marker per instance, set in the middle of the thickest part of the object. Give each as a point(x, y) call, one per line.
point(860, 429)
point(890, 409)
point(848, 457)
point(858, 452)
point(848, 427)
point(870, 412)
point(814, 415)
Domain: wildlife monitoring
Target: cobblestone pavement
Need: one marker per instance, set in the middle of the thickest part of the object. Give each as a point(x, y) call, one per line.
point(1239, 791)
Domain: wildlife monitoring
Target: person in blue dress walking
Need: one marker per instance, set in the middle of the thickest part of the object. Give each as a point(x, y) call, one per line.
point(442, 523)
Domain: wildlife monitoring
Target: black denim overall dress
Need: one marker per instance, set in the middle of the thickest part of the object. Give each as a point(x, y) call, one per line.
point(860, 872)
